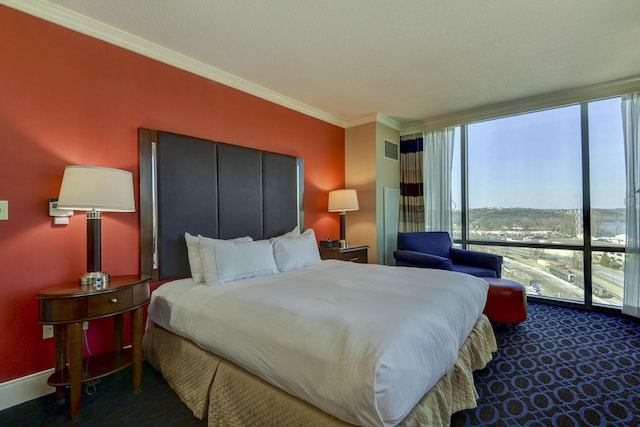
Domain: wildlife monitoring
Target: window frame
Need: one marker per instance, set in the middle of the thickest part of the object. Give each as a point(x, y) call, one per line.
point(587, 247)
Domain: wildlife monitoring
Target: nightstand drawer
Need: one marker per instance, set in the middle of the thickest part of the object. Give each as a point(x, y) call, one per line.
point(358, 254)
point(108, 303)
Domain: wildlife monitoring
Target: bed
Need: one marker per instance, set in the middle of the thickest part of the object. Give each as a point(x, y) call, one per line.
point(229, 343)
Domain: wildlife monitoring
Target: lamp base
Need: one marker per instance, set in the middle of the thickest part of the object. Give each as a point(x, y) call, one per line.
point(95, 279)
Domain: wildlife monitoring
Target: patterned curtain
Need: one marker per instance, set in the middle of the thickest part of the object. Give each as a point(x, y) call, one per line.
point(411, 183)
point(631, 128)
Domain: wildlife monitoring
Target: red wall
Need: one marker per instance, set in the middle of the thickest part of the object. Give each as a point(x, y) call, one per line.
point(66, 98)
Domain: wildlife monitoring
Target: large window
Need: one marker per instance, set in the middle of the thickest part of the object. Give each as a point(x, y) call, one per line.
point(546, 190)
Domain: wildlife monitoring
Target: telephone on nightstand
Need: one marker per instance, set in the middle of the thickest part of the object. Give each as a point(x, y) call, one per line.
point(329, 243)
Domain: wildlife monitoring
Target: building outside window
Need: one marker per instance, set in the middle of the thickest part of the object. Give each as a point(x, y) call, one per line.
point(546, 190)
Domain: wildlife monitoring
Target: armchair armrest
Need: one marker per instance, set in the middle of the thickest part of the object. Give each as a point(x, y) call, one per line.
point(406, 258)
point(477, 259)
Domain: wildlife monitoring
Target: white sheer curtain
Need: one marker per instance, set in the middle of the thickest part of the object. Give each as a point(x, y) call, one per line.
point(631, 126)
point(438, 155)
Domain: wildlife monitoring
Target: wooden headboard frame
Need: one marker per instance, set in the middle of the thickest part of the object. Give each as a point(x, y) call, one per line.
point(211, 188)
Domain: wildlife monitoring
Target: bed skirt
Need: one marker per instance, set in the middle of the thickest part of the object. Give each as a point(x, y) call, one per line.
point(226, 394)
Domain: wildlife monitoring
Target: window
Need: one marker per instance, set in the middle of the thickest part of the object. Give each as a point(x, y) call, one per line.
point(607, 170)
point(546, 191)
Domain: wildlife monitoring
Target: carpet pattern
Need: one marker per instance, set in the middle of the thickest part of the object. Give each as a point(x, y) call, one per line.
point(561, 367)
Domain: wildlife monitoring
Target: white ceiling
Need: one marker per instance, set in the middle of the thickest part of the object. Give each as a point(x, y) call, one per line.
point(346, 60)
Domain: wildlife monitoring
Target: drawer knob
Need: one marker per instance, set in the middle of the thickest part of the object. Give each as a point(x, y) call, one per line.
point(113, 300)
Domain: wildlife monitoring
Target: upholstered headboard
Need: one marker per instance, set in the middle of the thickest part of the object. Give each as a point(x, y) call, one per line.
point(215, 189)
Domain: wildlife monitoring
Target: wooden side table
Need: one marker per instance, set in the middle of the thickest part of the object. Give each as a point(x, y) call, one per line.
point(353, 254)
point(67, 306)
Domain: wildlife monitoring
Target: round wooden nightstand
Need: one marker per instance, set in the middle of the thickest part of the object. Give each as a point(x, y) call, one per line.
point(67, 306)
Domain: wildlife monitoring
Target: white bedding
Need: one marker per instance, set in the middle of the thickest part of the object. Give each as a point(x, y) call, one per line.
point(362, 342)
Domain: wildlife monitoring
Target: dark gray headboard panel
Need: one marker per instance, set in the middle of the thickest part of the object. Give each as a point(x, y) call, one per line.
point(280, 173)
point(240, 198)
point(209, 188)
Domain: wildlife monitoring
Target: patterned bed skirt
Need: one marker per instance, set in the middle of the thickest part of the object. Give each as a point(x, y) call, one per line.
point(214, 388)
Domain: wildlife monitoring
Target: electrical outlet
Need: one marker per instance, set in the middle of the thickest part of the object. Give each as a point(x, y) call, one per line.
point(47, 331)
point(85, 326)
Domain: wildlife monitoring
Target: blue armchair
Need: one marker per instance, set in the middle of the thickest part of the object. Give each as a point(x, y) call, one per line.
point(433, 249)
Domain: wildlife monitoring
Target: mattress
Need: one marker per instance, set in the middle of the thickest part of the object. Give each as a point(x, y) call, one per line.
point(363, 343)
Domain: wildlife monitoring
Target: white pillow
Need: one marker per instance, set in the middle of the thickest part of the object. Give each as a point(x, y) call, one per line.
point(226, 261)
point(296, 252)
point(292, 233)
point(195, 259)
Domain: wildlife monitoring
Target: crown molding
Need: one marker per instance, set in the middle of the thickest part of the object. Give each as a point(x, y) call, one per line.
point(375, 117)
point(388, 121)
point(99, 30)
point(369, 118)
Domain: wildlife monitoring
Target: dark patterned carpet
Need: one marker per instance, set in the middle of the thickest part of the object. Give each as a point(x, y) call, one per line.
point(561, 367)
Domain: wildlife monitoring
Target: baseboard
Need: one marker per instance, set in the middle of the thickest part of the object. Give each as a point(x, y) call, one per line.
point(24, 389)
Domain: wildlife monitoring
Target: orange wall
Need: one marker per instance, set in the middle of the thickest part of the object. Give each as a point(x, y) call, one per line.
point(66, 98)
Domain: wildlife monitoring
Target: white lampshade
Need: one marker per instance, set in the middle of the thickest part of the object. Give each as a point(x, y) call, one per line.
point(94, 188)
point(343, 200)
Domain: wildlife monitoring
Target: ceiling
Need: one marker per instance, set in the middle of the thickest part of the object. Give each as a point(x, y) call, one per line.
point(345, 61)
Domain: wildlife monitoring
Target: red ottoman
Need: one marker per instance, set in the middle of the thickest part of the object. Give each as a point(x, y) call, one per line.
point(506, 301)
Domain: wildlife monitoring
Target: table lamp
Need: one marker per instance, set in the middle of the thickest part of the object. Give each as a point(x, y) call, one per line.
point(95, 190)
point(343, 201)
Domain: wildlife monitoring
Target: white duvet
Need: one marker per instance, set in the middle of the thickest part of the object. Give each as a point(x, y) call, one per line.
point(362, 342)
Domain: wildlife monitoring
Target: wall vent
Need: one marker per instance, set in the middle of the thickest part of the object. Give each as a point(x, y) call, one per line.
point(391, 150)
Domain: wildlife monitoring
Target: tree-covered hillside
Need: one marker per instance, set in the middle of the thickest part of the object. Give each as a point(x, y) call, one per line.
point(562, 222)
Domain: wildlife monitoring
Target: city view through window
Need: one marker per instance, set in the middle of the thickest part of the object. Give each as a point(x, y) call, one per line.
point(530, 178)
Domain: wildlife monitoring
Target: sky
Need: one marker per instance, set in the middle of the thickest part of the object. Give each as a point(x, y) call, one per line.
point(534, 160)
